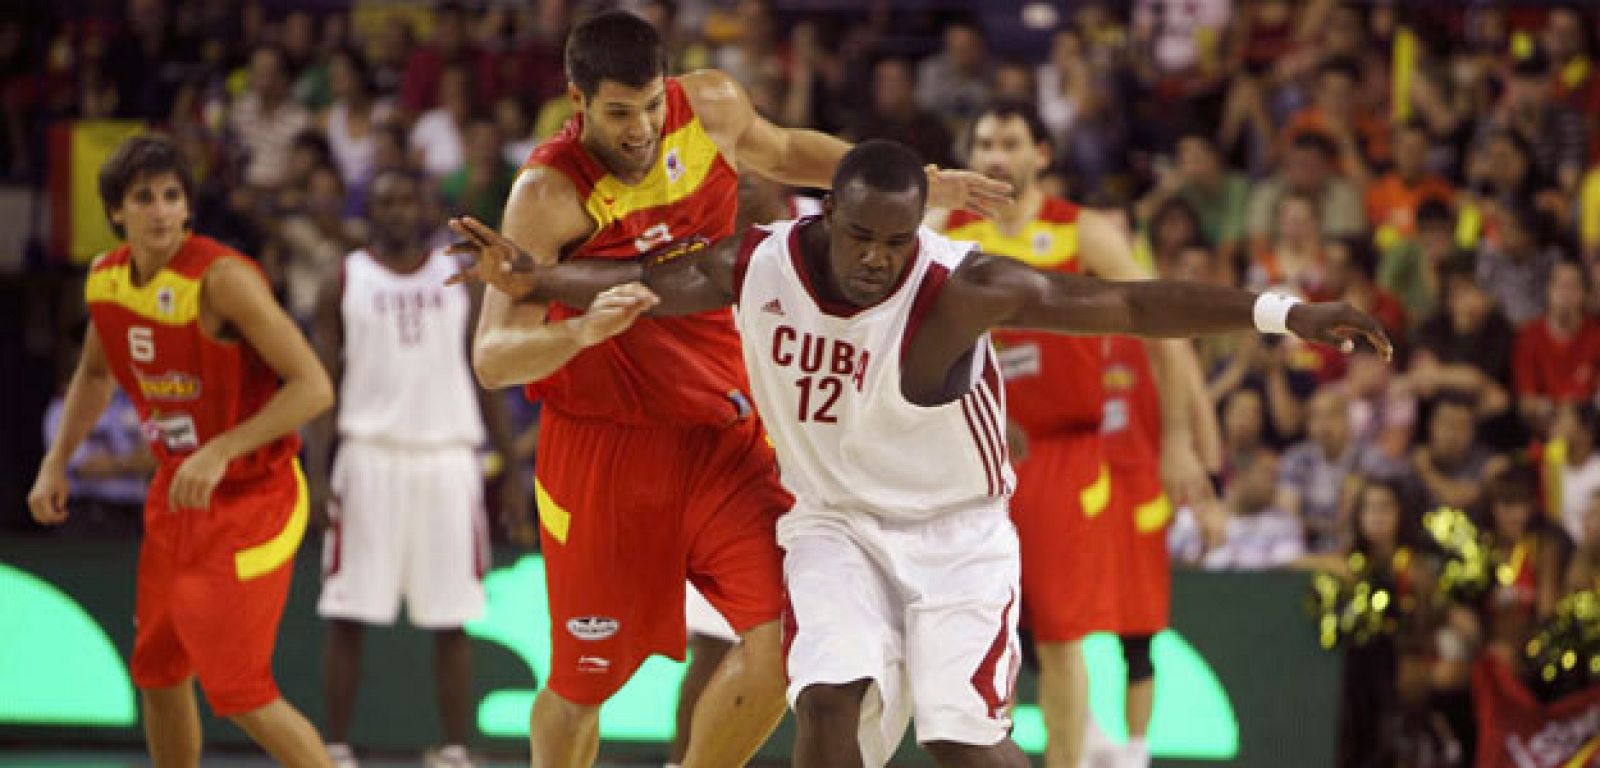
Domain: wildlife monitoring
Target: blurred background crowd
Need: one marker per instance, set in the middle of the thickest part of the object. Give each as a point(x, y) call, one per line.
point(1434, 163)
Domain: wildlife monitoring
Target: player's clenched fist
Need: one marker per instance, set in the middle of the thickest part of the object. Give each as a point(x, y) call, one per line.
point(612, 312)
point(1338, 324)
point(48, 499)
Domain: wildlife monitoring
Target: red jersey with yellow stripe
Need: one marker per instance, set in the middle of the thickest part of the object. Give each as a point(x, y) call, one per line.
point(1132, 428)
point(1052, 381)
point(187, 386)
point(664, 370)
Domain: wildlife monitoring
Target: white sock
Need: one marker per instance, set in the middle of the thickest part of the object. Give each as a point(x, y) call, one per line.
point(672, 765)
point(340, 749)
point(453, 752)
point(1136, 753)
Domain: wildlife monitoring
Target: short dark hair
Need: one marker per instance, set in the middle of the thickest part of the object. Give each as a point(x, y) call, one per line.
point(358, 65)
point(1341, 65)
point(1517, 482)
point(1005, 109)
point(1434, 210)
point(1317, 141)
point(1363, 257)
point(616, 46)
point(137, 158)
point(883, 165)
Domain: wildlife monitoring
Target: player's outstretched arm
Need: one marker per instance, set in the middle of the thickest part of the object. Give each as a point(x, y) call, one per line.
point(86, 398)
point(682, 278)
point(993, 291)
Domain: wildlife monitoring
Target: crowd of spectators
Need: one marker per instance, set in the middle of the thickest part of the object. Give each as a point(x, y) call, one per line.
point(1435, 164)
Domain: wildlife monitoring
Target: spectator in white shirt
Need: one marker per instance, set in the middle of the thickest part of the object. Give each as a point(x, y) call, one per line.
point(436, 140)
point(265, 121)
point(1245, 531)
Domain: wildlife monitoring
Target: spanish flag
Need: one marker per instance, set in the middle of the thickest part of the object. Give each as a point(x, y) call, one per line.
point(78, 226)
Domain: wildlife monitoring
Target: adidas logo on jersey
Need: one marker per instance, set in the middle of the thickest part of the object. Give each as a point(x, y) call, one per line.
point(773, 307)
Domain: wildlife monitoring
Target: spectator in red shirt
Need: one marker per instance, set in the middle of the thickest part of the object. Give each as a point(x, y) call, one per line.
point(1392, 200)
point(1568, 40)
point(1557, 354)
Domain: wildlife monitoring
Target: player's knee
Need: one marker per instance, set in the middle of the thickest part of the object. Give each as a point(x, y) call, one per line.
point(825, 707)
point(953, 754)
point(1136, 652)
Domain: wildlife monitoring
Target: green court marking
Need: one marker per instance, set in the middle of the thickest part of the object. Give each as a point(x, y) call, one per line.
point(57, 666)
point(1193, 717)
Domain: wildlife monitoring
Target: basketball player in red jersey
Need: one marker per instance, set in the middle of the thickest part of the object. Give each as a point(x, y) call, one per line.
point(652, 466)
point(221, 379)
point(1140, 575)
point(902, 317)
point(1055, 399)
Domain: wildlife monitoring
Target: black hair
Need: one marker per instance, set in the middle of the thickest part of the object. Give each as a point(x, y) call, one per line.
point(137, 158)
point(1533, 64)
point(1517, 482)
point(317, 143)
point(399, 173)
point(1569, 260)
point(1453, 398)
point(1317, 141)
point(1176, 204)
point(1409, 532)
point(285, 61)
point(1522, 212)
point(1005, 109)
point(1435, 210)
point(1363, 257)
point(1341, 65)
point(616, 46)
point(359, 65)
point(883, 165)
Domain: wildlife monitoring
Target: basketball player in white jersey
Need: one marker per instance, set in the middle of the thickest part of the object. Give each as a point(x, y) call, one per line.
point(866, 340)
point(405, 508)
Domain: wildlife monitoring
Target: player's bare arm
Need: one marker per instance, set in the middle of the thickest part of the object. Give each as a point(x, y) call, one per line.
point(327, 338)
point(235, 298)
point(1107, 253)
point(681, 278)
point(806, 158)
point(515, 514)
point(87, 397)
point(514, 344)
point(990, 291)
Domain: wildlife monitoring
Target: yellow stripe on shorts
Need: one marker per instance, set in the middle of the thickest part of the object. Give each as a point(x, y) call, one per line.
point(1095, 498)
point(265, 557)
point(552, 516)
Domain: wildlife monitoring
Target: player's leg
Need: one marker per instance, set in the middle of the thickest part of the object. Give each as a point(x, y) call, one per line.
point(452, 669)
point(963, 653)
point(341, 671)
point(733, 558)
point(705, 655)
point(230, 601)
point(159, 666)
point(562, 733)
point(845, 642)
point(828, 718)
point(1140, 701)
point(447, 553)
point(172, 725)
point(949, 754)
point(1063, 701)
point(361, 557)
point(285, 734)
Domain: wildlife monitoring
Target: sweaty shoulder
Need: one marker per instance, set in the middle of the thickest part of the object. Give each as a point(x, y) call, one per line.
point(544, 212)
point(719, 101)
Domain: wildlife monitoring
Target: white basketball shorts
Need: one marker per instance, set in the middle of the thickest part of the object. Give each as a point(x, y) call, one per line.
point(406, 523)
point(925, 609)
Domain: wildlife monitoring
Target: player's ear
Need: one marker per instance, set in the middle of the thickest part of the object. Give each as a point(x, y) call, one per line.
point(827, 208)
point(574, 93)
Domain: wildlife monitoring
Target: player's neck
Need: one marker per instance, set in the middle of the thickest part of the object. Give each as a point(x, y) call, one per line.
point(148, 260)
point(816, 258)
point(1015, 217)
point(400, 258)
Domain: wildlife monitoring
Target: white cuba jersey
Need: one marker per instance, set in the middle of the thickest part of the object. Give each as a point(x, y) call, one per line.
point(406, 379)
point(826, 380)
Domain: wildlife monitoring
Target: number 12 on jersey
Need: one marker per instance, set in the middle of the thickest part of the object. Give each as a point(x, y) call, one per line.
point(827, 390)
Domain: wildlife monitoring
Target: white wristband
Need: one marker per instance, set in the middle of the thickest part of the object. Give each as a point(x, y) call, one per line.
point(1272, 312)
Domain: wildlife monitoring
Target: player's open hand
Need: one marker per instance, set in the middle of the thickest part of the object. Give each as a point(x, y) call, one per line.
point(495, 259)
point(48, 499)
point(613, 311)
point(1338, 324)
point(195, 479)
point(966, 189)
